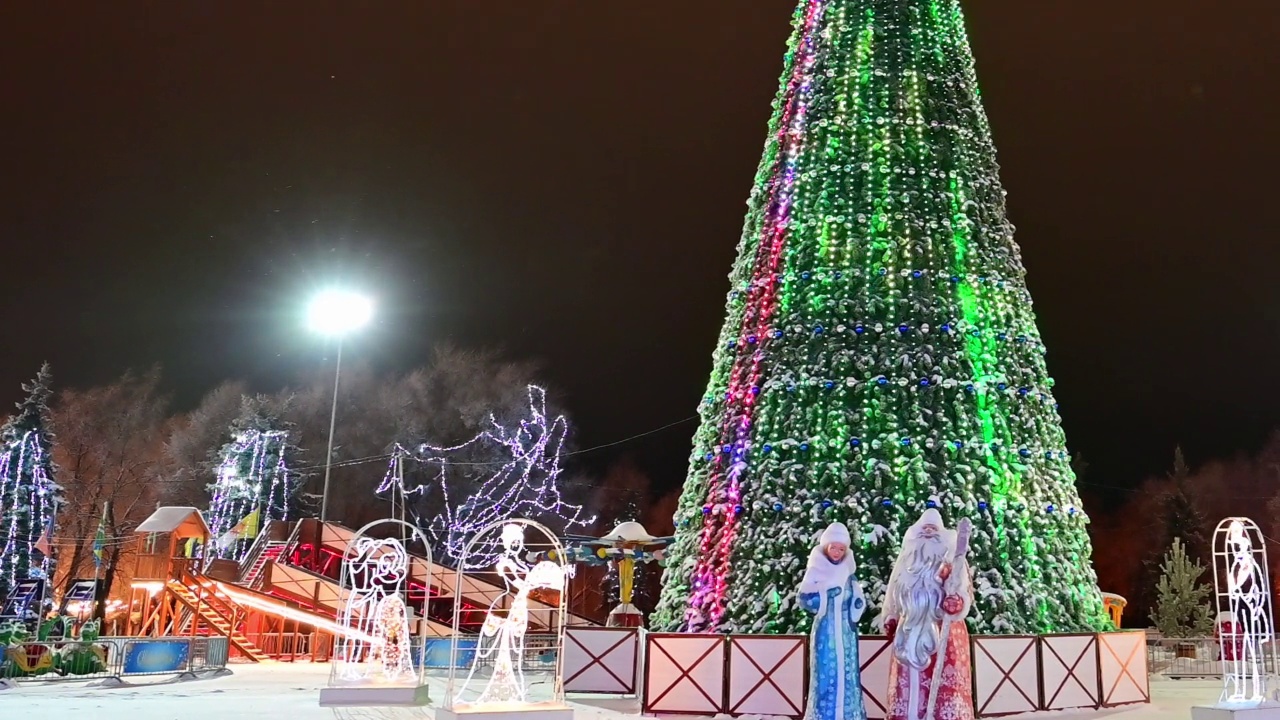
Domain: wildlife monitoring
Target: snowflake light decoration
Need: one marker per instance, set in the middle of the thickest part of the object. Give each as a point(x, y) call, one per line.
point(524, 485)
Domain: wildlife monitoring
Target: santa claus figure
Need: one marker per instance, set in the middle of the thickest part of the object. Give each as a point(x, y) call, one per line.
point(928, 597)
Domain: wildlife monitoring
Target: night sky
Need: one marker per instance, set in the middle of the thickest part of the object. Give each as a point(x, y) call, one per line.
point(567, 179)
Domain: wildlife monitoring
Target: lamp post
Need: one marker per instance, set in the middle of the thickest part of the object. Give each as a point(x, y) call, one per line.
point(335, 313)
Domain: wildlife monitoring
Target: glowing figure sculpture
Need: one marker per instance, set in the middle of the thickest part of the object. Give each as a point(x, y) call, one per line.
point(502, 643)
point(522, 485)
point(1243, 593)
point(375, 644)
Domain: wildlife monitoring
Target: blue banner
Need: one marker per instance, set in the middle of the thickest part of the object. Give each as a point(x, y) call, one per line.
point(156, 656)
point(437, 650)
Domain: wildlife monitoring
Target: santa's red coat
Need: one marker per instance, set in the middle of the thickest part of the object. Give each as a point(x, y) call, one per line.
point(955, 695)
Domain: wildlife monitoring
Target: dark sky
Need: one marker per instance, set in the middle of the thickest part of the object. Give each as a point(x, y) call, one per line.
point(567, 178)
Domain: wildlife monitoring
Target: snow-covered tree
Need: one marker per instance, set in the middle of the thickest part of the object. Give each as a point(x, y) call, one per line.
point(28, 494)
point(880, 353)
point(253, 474)
point(1182, 601)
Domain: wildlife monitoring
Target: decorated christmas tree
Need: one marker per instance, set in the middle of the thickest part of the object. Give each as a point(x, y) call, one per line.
point(254, 482)
point(879, 354)
point(28, 494)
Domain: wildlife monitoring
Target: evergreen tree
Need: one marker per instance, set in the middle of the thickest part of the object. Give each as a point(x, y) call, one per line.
point(253, 474)
point(1179, 517)
point(1182, 602)
point(28, 494)
point(879, 354)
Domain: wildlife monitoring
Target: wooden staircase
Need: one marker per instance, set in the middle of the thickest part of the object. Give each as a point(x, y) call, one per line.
point(252, 577)
point(216, 614)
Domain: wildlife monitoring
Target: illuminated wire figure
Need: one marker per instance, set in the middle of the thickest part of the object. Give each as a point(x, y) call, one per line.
point(522, 484)
point(505, 649)
point(374, 611)
point(1243, 591)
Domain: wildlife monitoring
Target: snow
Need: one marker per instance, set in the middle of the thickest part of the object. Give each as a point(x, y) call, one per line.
point(291, 691)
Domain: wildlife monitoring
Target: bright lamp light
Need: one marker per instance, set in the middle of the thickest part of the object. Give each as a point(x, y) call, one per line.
point(338, 312)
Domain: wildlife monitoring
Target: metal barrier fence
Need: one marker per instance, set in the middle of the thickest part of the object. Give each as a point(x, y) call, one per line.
point(111, 657)
point(1195, 658)
point(539, 653)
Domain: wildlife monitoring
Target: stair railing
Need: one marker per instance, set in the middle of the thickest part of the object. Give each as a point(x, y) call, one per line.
point(255, 548)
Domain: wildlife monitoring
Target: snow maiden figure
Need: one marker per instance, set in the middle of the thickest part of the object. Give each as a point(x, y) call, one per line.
point(831, 591)
point(929, 594)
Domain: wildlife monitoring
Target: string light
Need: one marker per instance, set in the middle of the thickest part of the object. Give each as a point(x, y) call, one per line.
point(879, 349)
point(29, 497)
point(523, 486)
point(253, 475)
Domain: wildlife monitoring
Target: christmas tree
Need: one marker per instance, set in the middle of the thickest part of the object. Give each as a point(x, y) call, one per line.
point(28, 494)
point(1182, 601)
point(880, 354)
point(254, 481)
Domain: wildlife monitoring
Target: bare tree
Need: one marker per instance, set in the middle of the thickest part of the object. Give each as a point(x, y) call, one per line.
point(192, 441)
point(110, 447)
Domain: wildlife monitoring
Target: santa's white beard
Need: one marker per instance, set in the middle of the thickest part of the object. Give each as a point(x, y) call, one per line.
point(918, 595)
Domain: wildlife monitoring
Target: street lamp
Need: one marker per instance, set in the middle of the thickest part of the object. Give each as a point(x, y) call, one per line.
point(334, 313)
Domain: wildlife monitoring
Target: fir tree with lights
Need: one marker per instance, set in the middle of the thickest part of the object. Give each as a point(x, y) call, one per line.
point(28, 494)
point(880, 354)
point(253, 474)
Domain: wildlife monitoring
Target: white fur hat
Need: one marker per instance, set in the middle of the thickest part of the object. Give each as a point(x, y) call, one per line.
point(835, 532)
point(930, 517)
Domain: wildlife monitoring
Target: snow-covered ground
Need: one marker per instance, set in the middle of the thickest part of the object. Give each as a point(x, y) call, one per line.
point(291, 692)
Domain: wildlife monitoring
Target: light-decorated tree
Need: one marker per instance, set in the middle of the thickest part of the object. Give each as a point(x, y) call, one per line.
point(28, 494)
point(253, 475)
point(879, 354)
point(1182, 601)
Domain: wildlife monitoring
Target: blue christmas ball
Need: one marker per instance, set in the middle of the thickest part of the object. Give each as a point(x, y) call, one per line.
point(733, 344)
point(1024, 452)
point(982, 505)
point(959, 444)
point(854, 442)
point(931, 504)
point(955, 278)
point(1002, 336)
point(1071, 510)
point(946, 327)
point(1001, 387)
point(1024, 391)
point(777, 507)
point(817, 330)
point(804, 447)
point(883, 271)
point(755, 389)
point(826, 503)
point(906, 441)
point(791, 388)
point(1049, 508)
point(737, 509)
point(904, 329)
point(727, 449)
point(858, 329)
point(886, 502)
point(706, 509)
point(1048, 455)
point(710, 456)
point(829, 384)
point(838, 275)
point(882, 380)
point(767, 449)
point(924, 382)
point(916, 273)
point(969, 389)
point(752, 339)
point(777, 333)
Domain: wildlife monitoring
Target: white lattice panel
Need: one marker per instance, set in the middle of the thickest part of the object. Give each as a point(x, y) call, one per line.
point(874, 653)
point(768, 675)
point(601, 660)
point(1069, 671)
point(684, 674)
point(1006, 675)
point(1123, 668)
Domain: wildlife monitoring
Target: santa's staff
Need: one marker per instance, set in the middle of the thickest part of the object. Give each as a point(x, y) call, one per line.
point(962, 548)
